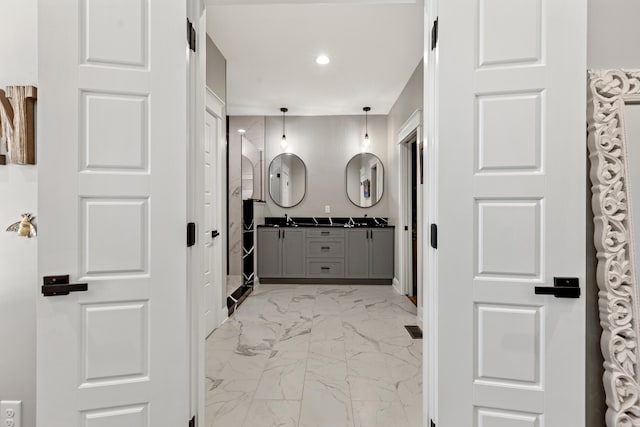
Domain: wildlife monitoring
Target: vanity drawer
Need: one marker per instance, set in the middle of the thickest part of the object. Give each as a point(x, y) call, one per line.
point(325, 267)
point(325, 248)
point(326, 232)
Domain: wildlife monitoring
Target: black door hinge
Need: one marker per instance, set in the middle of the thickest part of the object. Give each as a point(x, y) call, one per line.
point(434, 34)
point(191, 36)
point(191, 234)
point(192, 421)
point(434, 236)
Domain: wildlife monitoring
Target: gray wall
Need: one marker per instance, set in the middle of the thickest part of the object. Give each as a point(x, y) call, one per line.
point(613, 35)
point(326, 144)
point(234, 183)
point(216, 70)
point(18, 194)
point(410, 100)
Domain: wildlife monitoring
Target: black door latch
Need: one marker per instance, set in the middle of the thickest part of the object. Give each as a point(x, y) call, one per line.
point(59, 285)
point(563, 287)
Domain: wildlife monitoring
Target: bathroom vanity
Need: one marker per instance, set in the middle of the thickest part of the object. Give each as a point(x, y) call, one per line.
point(345, 250)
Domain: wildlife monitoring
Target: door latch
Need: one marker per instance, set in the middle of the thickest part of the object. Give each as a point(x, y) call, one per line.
point(59, 285)
point(563, 287)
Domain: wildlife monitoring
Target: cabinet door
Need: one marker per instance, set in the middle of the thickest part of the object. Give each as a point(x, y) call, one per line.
point(357, 253)
point(381, 253)
point(293, 254)
point(269, 252)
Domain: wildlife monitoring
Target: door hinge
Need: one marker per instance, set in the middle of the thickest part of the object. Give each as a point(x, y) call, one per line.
point(434, 236)
point(434, 34)
point(191, 36)
point(192, 421)
point(191, 234)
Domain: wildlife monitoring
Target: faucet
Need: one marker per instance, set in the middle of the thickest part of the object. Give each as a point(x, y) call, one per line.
point(289, 220)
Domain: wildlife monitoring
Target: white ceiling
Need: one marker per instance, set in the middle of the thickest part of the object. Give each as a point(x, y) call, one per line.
point(271, 51)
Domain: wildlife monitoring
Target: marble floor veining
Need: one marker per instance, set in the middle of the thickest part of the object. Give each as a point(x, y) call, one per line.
point(316, 356)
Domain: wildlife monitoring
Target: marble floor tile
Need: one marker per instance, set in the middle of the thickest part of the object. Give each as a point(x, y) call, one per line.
point(414, 415)
point(370, 378)
point(316, 356)
point(326, 403)
point(283, 377)
point(326, 327)
point(334, 349)
point(228, 401)
point(273, 413)
point(327, 369)
point(379, 414)
point(227, 364)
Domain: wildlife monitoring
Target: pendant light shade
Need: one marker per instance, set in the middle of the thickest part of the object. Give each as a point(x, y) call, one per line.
point(283, 142)
point(366, 141)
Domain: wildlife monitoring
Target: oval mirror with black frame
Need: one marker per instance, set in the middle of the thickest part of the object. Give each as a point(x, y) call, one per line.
point(287, 180)
point(365, 180)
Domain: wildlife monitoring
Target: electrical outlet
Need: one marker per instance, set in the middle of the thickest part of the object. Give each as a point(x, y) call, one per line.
point(327, 209)
point(11, 413)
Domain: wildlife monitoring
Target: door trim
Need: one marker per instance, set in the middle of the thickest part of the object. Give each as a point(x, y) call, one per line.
point(430, 215)
point(413, 125)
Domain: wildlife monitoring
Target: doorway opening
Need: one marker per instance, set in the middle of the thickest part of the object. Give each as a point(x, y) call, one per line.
point(259, 348)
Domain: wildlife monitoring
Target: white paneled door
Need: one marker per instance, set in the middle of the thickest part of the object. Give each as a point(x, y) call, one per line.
point(213, 273)
point(112, 213)
point(511, 185)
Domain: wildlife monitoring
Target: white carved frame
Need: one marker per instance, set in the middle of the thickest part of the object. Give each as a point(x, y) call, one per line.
point(609, 91)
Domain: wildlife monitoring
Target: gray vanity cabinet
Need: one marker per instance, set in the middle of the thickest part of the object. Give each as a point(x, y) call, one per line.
point(326, 253)
point(293, 258)
point(381, 245)
point(269, 252)
point(370, 253)
point(281, 253)
point(357, 249)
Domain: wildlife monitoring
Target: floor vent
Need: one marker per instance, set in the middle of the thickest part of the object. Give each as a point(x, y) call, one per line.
point(414, 331)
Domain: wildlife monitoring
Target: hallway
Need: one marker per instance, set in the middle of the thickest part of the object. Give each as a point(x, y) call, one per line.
point(316, 356)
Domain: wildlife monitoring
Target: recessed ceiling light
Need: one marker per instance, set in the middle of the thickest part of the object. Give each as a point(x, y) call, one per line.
point(323, 60)
point(241, 131)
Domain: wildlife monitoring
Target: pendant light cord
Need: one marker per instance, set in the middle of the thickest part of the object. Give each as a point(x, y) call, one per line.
point(366, 121)
point(284, 110)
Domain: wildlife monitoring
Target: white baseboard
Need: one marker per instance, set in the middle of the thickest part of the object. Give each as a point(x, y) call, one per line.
point(396, 286)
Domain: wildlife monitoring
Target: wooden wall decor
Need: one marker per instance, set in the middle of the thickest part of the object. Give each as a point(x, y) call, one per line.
point(17, 124)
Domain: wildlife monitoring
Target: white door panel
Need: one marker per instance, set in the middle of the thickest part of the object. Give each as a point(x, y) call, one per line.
point(511, 186)
point(112, 201)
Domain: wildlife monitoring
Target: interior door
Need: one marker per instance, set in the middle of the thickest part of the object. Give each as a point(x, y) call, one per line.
point(213, 275)
point(511, 184)
point(112, 199)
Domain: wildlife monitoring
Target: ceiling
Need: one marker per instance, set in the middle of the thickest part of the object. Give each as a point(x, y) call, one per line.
point(271, 50)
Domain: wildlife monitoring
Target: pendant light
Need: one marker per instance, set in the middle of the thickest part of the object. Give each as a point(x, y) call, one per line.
point(283, 142)
point(366, 141)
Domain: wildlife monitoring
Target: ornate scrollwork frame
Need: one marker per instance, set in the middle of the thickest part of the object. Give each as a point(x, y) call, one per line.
point(609, 91)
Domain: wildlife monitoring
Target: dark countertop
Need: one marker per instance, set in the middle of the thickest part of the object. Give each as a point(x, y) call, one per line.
point(328, 222)
point(326, 226)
